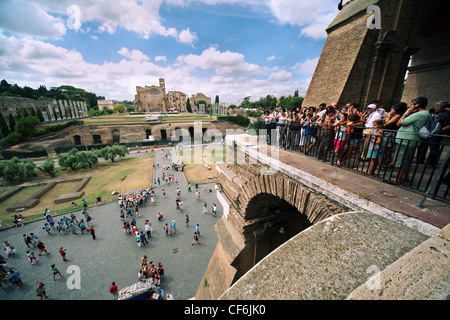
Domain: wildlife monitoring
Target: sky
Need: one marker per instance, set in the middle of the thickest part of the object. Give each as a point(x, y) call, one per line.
point(229, 48)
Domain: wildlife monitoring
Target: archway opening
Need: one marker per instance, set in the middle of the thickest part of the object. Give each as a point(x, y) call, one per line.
point(274, 222)
point(97, 139)
point(77, 140)
point(163, 134)
point(116, 136)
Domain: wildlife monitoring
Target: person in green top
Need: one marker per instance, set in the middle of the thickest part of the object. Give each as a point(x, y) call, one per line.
point(407, 138)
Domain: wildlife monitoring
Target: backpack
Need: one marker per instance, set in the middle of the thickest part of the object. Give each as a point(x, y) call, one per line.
point(432, 126)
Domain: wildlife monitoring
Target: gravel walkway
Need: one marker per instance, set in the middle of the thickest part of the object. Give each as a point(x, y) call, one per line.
point(114, 256)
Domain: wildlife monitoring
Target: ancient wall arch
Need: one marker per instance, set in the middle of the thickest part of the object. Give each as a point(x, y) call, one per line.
point(262, 205)
point(314, 206)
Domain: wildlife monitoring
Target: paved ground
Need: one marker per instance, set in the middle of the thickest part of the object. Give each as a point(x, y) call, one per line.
point(114, 256)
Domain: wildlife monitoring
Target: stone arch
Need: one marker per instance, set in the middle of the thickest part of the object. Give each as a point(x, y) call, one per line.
point(116, 136)
point(180, 134)
point(163, 134)
point(307, 202)
point(267, 203)
point(191, 131)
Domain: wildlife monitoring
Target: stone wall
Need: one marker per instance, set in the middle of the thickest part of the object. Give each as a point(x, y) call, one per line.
point(128, 133)
point(336, 256)
point(51, 109)
point(358, 65)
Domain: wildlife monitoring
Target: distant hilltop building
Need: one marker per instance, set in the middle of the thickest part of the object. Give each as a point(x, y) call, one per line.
point(196, 97)
point(155, 99)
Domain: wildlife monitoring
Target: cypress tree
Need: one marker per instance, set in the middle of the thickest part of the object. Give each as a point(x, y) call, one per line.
point(188, 106)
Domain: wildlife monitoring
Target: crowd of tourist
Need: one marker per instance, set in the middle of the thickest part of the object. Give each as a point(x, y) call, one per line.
point(383, 138)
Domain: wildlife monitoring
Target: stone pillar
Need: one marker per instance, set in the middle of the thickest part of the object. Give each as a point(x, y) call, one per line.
point(85, 109)
point(63, 110)
point(80, 108)
point(74, 113)
point(74, 107)
point(50, 111)
point(44, 113)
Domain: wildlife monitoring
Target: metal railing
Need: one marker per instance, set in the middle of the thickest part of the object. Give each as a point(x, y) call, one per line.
point(419, 165)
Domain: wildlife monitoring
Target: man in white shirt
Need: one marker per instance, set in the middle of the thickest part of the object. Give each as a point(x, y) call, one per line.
point(373, 115)
point(368, 131)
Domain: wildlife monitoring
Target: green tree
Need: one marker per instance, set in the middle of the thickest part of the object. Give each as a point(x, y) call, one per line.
point(48, 167)
point(119, 108)
point(25, 126)
point(111, 152)
point(13, 138)
point(69, 160)
point(201, 101)
point(15, 171)
point(188, 106)
point(87, 159)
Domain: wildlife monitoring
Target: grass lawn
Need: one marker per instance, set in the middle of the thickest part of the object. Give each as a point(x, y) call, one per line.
point(196, 172)
point(104, 180)
point(128, 118)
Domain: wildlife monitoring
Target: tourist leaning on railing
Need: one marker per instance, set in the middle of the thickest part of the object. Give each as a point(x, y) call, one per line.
point(372, 115)
point(390, 126)
point(281, 118)
point(443, 117)
point(340, 137)
point(355, 138)
point(407, 139)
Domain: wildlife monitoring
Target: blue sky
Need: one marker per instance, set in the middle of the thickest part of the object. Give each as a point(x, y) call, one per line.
point(230, 48)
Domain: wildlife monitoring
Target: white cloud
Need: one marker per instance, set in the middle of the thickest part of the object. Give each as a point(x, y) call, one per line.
point(306, 67)
point(133, 55)
point(280, 76)
point(316, 29)
point(161, 58)
point(43, 17)
point(271, 58)
point(312, 16)
point(28, 18)
point(224, 63)
point(186, 36)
